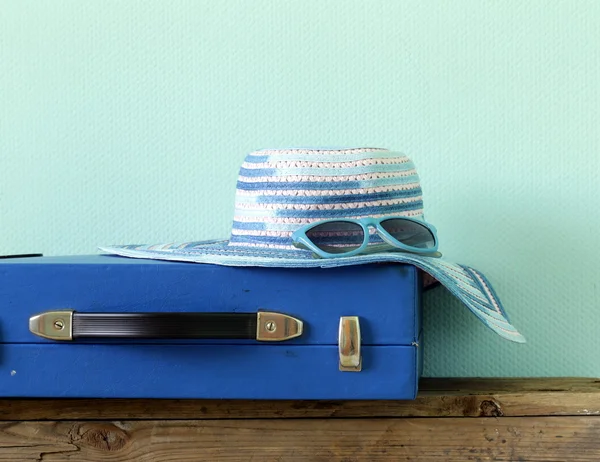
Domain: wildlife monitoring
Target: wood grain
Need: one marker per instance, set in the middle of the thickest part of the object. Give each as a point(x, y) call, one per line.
point(438, 397)
point(436, 439)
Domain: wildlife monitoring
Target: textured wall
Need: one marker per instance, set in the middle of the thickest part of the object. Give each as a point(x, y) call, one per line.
point(125, 122)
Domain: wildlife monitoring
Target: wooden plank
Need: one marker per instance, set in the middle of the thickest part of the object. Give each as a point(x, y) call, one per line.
point(436, 439)
point(439, 397)
point(446, 386)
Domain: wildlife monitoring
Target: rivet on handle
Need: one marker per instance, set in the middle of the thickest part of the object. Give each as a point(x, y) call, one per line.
point(54, 325)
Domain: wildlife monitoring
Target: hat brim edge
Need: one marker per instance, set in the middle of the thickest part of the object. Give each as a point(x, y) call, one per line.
point(470, 286)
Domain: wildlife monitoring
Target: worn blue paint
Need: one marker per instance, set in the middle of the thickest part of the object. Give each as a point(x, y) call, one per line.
point(386, 297)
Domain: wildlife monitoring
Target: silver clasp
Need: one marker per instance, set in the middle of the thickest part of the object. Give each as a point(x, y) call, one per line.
point(349, 344)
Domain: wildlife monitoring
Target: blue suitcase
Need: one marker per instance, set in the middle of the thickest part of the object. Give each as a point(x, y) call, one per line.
point(111, 327)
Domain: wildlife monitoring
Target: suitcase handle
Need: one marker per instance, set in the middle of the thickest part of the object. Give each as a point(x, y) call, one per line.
point(260, 326)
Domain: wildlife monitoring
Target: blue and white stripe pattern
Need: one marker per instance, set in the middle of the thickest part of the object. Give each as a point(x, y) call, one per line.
point(279, 190)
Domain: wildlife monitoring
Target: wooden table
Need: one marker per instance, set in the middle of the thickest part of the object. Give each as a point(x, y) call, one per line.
point(451, 420)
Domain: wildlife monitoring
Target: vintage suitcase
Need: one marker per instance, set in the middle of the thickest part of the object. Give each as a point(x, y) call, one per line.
point(107, 326)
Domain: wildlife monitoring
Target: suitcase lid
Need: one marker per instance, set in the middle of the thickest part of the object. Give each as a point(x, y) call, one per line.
point(385, 297)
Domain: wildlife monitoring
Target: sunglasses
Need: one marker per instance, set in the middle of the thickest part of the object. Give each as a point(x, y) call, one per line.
point(348, 237)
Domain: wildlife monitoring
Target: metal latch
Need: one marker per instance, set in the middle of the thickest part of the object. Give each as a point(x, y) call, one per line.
point(349, 344)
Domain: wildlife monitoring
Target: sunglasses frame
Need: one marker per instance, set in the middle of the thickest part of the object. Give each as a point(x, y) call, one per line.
point(301, 240)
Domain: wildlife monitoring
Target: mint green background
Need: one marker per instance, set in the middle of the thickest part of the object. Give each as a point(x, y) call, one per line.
point(126, 122)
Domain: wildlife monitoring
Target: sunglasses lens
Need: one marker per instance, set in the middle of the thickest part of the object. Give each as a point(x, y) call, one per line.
point(409, 233)
point(337, 236)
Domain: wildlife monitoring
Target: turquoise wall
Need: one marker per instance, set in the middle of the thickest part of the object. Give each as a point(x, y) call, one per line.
point(126, 122)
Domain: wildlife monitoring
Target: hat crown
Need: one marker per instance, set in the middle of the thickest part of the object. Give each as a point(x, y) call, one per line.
point(280, 190)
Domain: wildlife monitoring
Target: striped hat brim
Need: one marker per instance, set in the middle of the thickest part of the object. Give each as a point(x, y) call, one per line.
point(470, 286)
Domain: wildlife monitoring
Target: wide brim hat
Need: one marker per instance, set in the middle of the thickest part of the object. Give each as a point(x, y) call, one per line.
point(280, 190)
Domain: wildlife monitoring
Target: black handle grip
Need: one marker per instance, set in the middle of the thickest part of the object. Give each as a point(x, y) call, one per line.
point(268, 326)
point(165, 325)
